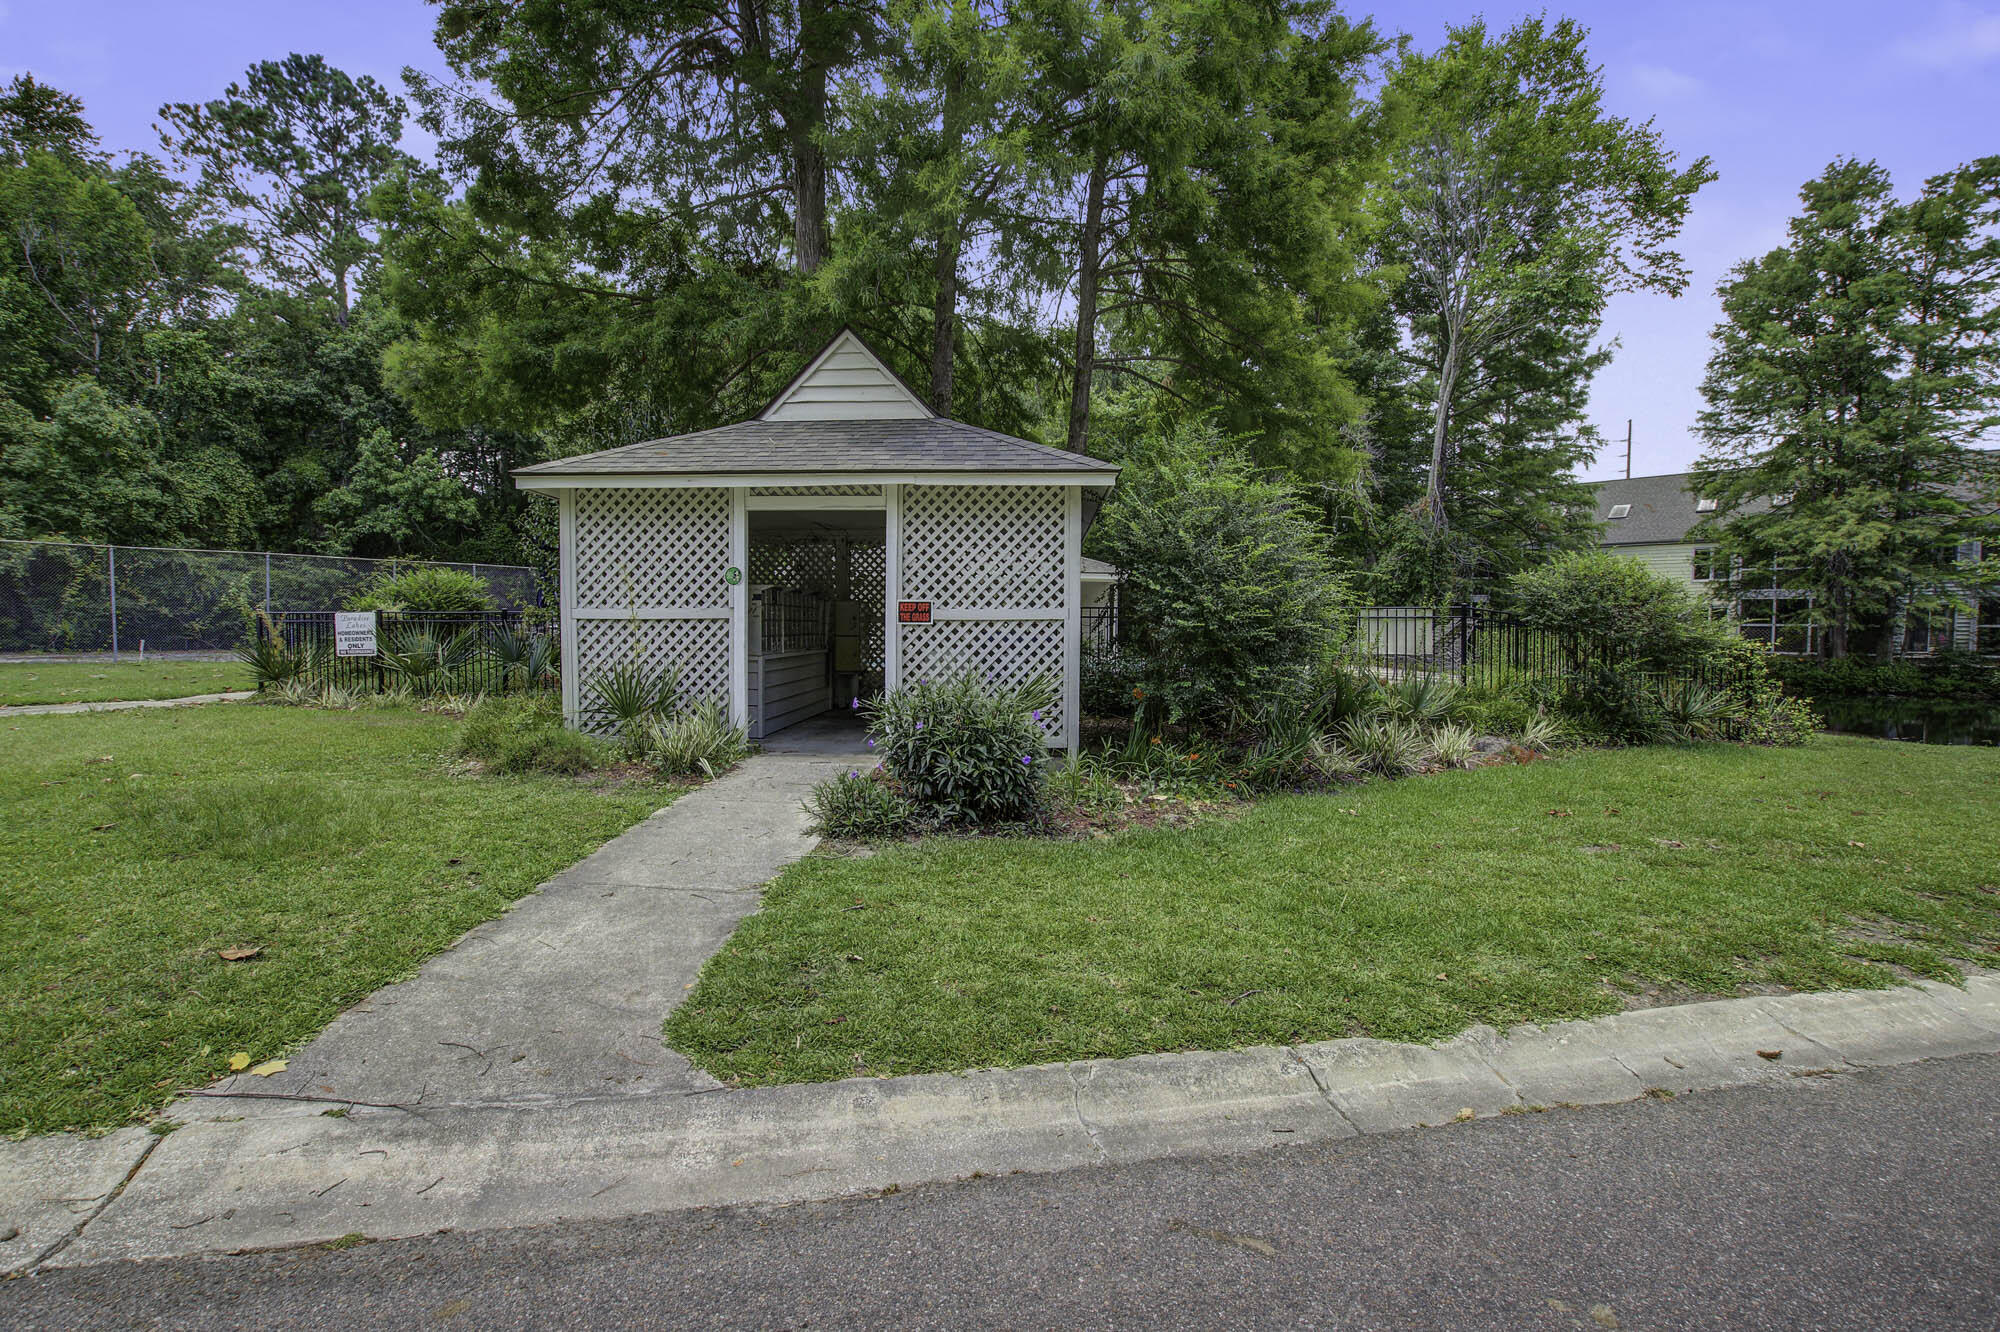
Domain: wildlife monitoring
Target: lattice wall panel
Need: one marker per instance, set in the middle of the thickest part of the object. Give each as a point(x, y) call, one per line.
point(809, 566)
point(664, 547)
point(983, 546)
point(698, 649)
point(1002, 652)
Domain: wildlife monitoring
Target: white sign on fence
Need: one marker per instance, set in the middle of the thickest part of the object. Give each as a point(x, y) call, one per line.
point(354, 633)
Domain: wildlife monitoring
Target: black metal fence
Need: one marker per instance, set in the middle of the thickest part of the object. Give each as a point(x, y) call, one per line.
point(1481, 648)
point(426, 652)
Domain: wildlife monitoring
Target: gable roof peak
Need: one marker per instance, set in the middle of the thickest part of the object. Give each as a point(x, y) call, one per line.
point(846, 381)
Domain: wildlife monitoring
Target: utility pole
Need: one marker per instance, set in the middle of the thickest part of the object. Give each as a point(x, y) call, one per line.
point(1628, 448)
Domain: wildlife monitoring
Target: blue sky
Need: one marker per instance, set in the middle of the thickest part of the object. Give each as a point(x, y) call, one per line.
point(1772, 92)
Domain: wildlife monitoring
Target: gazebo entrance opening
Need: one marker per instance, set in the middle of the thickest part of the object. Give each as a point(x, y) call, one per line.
point(816, 581)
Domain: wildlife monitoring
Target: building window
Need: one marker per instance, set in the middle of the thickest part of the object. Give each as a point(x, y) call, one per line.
point(1619, 511)
point(1710, 566)
point(1986, 633)
point(1706, 504)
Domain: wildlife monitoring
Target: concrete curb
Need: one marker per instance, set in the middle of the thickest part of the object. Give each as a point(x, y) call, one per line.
point(244, 1175)
point(122, 704)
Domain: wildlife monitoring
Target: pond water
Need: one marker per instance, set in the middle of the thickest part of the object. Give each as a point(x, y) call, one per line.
point(1926, 721)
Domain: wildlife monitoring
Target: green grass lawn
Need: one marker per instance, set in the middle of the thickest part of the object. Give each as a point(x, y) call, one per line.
point(1404, 910)
point(97, 682)
point(138, 844)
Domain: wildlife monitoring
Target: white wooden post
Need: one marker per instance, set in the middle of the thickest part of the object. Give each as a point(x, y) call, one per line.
point(1072, 652)
point(892, 586)
point(566, 603)
point(739, 606)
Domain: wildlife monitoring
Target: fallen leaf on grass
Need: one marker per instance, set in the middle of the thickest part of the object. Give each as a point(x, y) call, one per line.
point(238, 1062)
point(1558, 813)
point(239, 954)
point(268, 1067)
point(104, 827)
point(1861, 844)
point(1770, 1054)
point(1669, 843)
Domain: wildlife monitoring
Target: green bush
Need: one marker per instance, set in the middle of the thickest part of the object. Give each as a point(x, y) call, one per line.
point(860, 806)
point(423, 587)
point(1615, 601)
point(962, 754)
point(1618, 703)
point(525, 733)
point(1229, 595)
point(630, 697)
point(1499, 713)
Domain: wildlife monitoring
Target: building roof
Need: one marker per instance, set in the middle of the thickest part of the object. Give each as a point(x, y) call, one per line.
point(1099, 570)
point(847, 416)
point(1662, 509)
point(844, 448)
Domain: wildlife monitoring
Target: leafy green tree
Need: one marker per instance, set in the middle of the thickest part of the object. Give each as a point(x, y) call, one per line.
point(1855, 373)
point(293, 151)
point(37, 118)
point(397, 505)
point(1217, 150)
point(1230, 597)
point(1515, 207)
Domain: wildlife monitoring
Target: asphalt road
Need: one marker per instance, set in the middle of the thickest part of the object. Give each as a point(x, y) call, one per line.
point(1869, 1200)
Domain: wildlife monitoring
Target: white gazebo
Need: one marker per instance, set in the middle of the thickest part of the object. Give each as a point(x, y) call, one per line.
point(844, 540)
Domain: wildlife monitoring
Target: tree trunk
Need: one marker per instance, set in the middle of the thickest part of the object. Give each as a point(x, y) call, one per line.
point(1086, 302)
point(944, 321)
point(809, 245)
point(950, 241)
point(1433, 501)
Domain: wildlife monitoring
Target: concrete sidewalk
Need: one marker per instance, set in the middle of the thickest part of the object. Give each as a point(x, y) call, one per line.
point(298, 1173)
point(562, 998)
point(122, 704)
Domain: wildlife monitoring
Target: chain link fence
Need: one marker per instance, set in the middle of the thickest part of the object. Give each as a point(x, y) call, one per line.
point(67, 598)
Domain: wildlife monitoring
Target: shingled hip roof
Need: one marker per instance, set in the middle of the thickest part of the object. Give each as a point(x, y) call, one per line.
point(833, 448)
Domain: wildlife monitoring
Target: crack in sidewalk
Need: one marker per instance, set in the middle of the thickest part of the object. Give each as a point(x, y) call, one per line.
point(76, 1231)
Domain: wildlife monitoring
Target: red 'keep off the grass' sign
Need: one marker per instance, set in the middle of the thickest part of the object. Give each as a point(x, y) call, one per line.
point(913, 612)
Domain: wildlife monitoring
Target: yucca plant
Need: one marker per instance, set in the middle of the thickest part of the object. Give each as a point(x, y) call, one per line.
point(695, 739)
point(423, 661)
point(631, 694)
point(523, 658)
point(1385, 746)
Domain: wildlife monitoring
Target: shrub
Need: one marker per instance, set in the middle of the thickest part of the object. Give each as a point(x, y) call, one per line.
point(964, 755)
point(1494, 713)
point(1108, 677)
point(423, 587)
point(517, 734)
point(859, 806)
point(1086, 782)
point(1616, 703)
point(1697, 711)
point(1229, 594)
point(1618, 602)
point(1944, 675)
point(695, 739)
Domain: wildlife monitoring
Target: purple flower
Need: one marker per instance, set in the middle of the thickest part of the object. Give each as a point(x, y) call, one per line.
point(856, 704)
point(920, 726)
point(871, 742)
point(852, 773)
point(1027, 762)
point(1036, 714)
